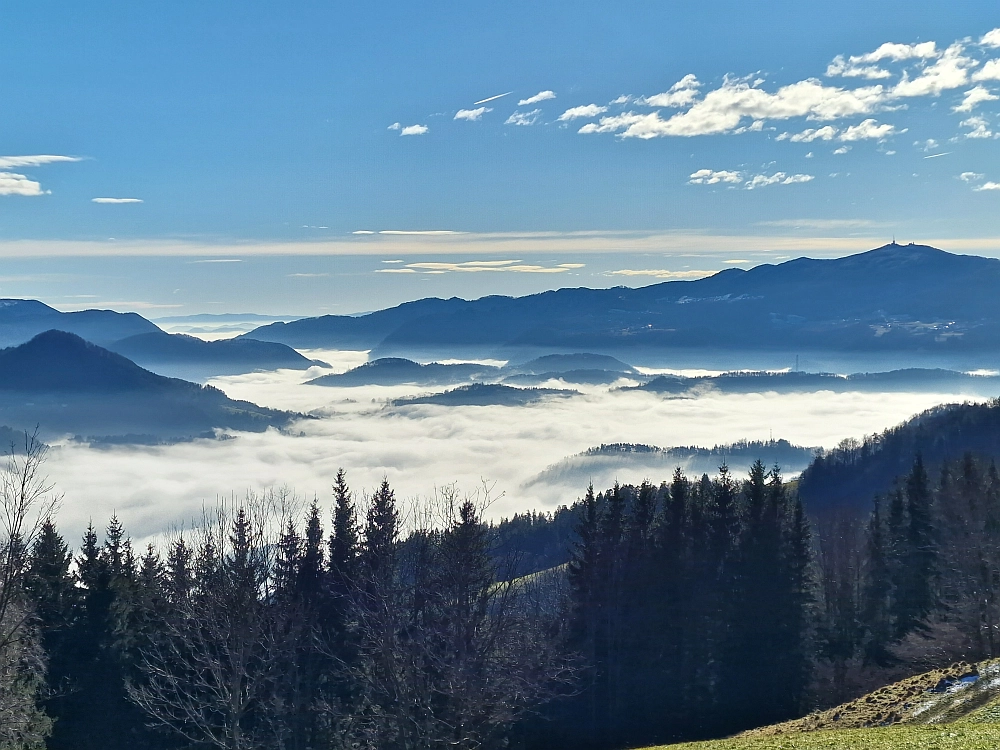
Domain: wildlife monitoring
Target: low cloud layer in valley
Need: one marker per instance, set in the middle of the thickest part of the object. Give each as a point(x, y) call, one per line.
point(418, 448)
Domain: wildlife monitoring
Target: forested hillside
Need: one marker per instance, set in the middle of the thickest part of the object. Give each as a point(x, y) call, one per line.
point(692, 608)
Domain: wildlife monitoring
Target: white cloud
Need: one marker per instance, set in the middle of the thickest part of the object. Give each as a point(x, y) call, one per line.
point(409, 129)
point(778, 178)
point(681, 94)
point(623, 99)
point(659, 273)
point(988, 186)
point(614, 123)
point(472, 114)
point(989, 72)
point(587, 110)
point(973, 97)
point(867, 130)
point(859, 66)
point(722, 110)
point(991, 38)
point(12, 183)
point(13, 162)
point(755, 127)
point(523, 118)
point(480, 266)
point(897, 52)
point(420, 232)
point(116, 200)
point(541, 96)
point(979, 127)
point(825, 133)
point(711, 177)
point(949, 71)
point(971, 176)
point(845, 69)
point(842, 150)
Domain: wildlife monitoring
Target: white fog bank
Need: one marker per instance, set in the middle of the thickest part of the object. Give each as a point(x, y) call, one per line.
point(422, 447)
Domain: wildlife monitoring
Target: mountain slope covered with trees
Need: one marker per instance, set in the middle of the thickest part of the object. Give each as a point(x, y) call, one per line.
point(891, 299)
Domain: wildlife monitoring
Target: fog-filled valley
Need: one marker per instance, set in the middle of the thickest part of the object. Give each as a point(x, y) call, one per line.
point(518, 450)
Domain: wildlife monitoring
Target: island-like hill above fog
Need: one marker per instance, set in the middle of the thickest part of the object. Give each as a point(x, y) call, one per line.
point(65, 385)
point(188, 356)
point(896, 298)
point(577, 368)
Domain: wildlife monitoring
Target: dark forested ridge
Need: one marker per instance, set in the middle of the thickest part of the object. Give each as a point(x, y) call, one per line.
point(892, 299)
point(848, 476)
point(71, 386)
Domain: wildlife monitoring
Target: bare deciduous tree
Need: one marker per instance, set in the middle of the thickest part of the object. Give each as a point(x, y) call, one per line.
point(453, 650)
point(209, 672)
point(25, 503)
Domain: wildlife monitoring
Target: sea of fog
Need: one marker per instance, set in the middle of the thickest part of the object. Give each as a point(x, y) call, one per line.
point(154, 490)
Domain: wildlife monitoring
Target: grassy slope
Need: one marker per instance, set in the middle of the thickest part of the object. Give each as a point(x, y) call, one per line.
point(921, 737)
point(933, 710)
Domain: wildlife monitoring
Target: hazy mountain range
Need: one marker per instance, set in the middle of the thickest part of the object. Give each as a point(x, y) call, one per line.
point(66, 385)
point(895, 298)
point(143, 342)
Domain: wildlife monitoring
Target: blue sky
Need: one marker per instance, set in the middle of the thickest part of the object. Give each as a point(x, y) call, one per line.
point(633, 142)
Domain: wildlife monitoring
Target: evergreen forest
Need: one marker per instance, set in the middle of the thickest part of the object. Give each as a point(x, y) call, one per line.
point(691, 608)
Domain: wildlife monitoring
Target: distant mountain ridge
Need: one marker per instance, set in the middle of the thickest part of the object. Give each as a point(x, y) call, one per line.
point(892, 298)
point(909, 380)
point(22, 319)
point(141, 340)
point(65, 384)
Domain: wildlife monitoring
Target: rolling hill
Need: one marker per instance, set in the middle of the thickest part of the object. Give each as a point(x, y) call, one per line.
point(180, 355)
point(64, 385)
point(397, 371)
point(22, 319)
point(891, 299)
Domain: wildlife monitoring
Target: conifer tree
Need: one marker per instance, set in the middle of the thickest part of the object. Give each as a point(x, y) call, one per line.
point(179, 574)
point(916, 598)
point(877, 592)
point(344, 541)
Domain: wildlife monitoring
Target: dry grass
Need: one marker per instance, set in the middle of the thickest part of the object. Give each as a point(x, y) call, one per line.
point(957, 708)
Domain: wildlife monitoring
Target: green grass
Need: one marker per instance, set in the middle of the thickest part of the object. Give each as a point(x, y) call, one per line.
point(914, 737)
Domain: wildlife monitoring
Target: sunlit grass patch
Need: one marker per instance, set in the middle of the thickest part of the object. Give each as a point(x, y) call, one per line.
point(965, 736)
